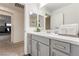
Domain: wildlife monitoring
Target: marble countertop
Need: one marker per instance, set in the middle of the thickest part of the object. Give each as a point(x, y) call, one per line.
point(68, 39)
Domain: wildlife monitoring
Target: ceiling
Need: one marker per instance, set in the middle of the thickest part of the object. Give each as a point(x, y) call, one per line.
point(11, 6)
point(54, 6)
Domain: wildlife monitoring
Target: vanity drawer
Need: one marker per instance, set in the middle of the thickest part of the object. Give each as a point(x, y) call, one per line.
point(65, 47)
point(41, 39)
point(58, 53)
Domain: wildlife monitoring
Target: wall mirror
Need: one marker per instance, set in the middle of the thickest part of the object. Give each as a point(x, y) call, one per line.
point(41, 22)
point(47, 22)
point(45, 17)
point(33, 19)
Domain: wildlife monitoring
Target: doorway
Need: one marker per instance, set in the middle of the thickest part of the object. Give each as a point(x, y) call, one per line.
point(11, 29)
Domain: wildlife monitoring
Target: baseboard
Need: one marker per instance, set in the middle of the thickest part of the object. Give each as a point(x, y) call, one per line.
point(19, 42)
point(27, 55)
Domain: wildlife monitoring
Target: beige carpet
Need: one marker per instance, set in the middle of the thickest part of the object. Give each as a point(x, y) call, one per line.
point(9, 49)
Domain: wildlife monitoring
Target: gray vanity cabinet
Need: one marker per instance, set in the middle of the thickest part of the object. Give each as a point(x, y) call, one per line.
point(34, 48)
point(55, 52)
point(29, 43)
point(43, 50)
point(74, 50)
point(59, 48)
point(40, 46)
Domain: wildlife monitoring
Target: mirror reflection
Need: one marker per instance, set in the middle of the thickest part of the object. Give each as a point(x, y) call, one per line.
point(33, 19)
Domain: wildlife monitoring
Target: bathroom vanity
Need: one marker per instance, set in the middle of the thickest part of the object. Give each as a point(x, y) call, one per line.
point(50, 44)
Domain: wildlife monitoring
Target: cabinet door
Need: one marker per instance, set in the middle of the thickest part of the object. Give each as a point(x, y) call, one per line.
point(34, 48)
point(74, 50)
point(43, 50)
point(58, 53)
point(29, 43)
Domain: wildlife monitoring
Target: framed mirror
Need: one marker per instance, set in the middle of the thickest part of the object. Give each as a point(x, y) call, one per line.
point(41, 21)
point(33, 19)
point(47, 22)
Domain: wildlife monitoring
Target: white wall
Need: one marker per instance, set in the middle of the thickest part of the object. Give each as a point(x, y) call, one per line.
point(44, 11)
point(18, 27)
point(57, 20)
point(71, 14)
point(17, 21)
point(26, 26)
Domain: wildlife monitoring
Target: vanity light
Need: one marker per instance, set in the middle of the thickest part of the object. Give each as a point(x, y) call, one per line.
point(31, 13)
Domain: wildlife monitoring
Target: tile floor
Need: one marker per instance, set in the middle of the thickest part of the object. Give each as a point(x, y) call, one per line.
point(9, 49)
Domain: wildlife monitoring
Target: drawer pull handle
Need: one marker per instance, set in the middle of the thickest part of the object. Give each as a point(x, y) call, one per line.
point(59, 46)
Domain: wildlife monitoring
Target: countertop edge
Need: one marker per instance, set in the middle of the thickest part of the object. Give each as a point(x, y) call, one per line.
point(72, 40)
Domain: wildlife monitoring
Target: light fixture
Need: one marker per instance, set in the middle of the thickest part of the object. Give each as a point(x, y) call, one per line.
point(31, 12)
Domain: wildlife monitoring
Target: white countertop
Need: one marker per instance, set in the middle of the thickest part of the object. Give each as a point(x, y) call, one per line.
point(69, 39)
